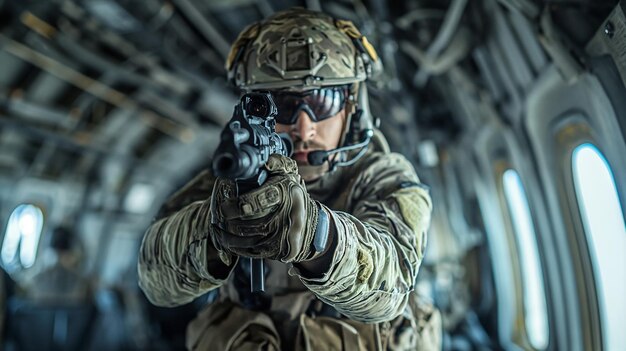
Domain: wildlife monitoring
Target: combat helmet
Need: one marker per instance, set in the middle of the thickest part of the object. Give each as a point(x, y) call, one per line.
point(299, 49)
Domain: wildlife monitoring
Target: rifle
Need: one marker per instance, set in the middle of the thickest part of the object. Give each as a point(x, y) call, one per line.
point(246, 144)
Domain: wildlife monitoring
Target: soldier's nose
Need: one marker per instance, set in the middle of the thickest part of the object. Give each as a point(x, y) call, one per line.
point(304, 128)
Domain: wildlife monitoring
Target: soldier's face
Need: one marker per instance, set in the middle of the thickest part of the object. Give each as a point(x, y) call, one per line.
point(308, 136)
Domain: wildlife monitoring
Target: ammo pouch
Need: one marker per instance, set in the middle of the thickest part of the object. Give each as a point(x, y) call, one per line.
point(419, 327)
point(428, 324)
point(224, 325)
point(332, 334)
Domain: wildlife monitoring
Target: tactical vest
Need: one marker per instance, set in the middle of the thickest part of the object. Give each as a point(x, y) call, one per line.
point(287, 316)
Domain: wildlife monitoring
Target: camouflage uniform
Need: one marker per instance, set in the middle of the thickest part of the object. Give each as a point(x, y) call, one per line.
point(381, 212)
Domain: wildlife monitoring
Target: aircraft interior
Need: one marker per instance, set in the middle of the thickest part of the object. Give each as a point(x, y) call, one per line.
point(513, 113)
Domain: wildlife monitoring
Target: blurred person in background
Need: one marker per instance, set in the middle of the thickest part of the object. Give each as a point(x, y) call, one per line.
point(60, 276)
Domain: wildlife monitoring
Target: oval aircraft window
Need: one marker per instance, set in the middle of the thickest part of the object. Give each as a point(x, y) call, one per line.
point(606, 235)
point(535, 314)
point(23, 232)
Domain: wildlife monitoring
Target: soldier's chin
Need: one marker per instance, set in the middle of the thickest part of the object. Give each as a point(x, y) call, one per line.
point(310, 173)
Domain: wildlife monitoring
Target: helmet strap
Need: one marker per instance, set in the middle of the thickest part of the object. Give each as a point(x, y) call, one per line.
point(356, 129)
point(350, 108)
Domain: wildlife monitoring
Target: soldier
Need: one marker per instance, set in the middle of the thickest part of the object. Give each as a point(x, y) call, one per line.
point(355, 292)
point(60, 279)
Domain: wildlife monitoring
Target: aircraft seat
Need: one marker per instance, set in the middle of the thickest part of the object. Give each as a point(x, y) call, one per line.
point(36, 325)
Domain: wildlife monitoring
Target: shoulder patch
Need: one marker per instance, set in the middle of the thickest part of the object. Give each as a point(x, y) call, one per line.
point(415, 207)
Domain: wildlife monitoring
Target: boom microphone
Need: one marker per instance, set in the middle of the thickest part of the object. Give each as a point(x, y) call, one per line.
point(317, 158)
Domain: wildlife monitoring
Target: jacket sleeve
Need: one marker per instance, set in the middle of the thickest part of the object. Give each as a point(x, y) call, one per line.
point(177, 259)
point(380, 245)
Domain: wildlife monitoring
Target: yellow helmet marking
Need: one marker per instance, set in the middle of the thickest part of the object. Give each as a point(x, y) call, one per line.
point(353, 32)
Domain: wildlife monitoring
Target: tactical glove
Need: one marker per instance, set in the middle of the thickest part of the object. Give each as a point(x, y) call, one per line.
point(277, 220)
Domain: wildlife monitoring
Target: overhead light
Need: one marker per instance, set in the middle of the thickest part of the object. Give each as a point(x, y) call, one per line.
point(140, 198)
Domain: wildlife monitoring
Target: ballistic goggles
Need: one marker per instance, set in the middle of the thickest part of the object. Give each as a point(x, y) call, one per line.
point(319, 104)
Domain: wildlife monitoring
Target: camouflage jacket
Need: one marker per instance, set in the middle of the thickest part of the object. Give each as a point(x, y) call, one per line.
point(381, 213)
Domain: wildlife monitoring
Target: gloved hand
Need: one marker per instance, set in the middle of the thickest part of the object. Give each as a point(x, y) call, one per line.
point(278, 220)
